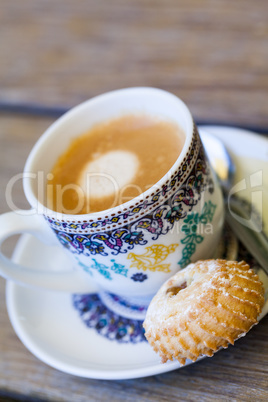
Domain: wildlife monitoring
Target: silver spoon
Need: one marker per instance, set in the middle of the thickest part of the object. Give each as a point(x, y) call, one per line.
point(239, 216)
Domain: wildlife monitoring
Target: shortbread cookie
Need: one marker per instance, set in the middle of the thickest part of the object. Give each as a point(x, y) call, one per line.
point(202, 308)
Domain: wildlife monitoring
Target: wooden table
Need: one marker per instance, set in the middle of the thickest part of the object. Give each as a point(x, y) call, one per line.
point(213, 55)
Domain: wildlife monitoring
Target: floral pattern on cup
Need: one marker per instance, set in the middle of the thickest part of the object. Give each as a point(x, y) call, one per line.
point(193, 233)
point(153, 259)
point(116, 241)
point(108, 271)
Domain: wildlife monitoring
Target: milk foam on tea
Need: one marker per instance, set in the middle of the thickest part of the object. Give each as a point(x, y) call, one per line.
point(112, 163)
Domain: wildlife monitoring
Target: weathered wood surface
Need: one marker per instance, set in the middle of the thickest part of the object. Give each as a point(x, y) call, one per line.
point(212, 54)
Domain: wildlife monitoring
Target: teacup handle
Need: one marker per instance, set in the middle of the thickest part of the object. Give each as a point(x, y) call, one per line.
point(12, 223)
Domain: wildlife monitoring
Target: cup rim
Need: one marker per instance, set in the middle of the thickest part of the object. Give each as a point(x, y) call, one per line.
point(70, 114)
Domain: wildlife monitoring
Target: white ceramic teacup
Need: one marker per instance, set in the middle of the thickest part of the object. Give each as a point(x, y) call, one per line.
point(129, 250)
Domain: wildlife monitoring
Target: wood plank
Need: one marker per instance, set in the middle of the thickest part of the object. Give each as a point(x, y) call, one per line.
point(212, 55)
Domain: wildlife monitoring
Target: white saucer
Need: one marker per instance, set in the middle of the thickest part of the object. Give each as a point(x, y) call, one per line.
point(50, 327)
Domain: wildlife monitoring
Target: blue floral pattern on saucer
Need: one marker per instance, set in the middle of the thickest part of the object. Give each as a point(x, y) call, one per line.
point(112, 326)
